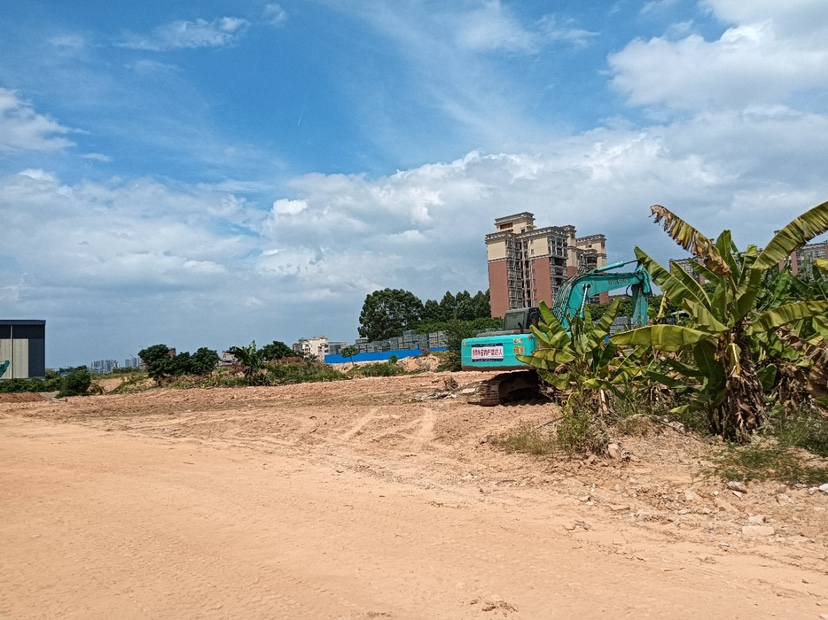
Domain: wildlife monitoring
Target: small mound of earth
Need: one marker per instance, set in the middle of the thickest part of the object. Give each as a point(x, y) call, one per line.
point(23, 397)
point(420, 363)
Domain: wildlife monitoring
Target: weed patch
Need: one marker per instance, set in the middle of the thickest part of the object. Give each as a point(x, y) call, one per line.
point(768, 460)
point(528, 440)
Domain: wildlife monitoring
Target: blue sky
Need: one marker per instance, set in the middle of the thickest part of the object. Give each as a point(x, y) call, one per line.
point(206, 174)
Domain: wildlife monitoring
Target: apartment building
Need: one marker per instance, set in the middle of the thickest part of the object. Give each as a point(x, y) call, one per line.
point(803, 258)
point(317, 347)
point(528, 265)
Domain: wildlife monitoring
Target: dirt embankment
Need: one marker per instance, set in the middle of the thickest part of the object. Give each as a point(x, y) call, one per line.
point(368, 499)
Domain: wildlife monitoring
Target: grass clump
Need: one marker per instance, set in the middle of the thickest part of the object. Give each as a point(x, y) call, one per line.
point(770, 460)
point(794, 450)
point(528, 440)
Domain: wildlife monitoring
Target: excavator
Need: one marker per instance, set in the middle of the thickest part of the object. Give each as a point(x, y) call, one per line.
point(497, 350)
point(4, 367)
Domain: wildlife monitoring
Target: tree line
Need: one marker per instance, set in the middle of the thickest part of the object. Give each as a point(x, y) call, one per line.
point(388, 312)
point(161, 362)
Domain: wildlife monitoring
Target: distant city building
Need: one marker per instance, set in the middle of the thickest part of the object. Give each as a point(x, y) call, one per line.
point(803, 258)
point(131, 362)
point(317, 347)
point(102, 367)
point(23, 345)
point(528, 265)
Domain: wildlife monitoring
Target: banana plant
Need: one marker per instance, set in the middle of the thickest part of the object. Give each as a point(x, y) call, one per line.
point(251, 360)
point(583, 359)
point(724, 321)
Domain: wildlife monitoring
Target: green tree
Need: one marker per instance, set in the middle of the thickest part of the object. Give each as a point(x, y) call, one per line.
point(386, 313)
point(76, 382)
point(349, 352)
point(465, 309)
point(277, 350)
point(431, 312)
point(157, 360)
point(448, 307)
point(203, 361)
point(482, 305)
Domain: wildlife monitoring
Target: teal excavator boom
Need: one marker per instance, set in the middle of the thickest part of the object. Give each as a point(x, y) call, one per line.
point(575, 292)
point(498, 350)
point(4, 367)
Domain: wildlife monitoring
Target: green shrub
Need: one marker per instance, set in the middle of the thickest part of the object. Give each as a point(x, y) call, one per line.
point(76, 383)
point(280, 373)
point(378, 369)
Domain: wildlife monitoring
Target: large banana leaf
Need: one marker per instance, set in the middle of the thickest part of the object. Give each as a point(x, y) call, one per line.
point(663, 337)
point(799, 232)
point(748, 259)
point(693, 287)
point(728, 250)
point(746, 294)
point(703, 271)
point(690, 239)
point(703, 318)
point(670, 285)
point(714, 391)
point(822, 265)
point(777, 317)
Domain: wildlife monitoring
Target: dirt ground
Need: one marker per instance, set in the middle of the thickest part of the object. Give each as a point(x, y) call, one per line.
point(371, 499)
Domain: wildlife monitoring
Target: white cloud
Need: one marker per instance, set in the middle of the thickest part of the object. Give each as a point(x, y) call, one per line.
point(23, 129)
point(97, 157)
point(657, 6)
point(189, 35)
point(274, 15)
point(758, 61)
point(289, 207)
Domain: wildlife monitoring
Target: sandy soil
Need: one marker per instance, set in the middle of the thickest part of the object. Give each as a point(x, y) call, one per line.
point(367, 499)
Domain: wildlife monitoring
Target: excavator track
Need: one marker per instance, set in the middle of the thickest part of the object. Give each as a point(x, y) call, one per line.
point(509, 386)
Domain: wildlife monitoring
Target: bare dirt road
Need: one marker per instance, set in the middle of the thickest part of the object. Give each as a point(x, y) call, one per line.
point(360, 499)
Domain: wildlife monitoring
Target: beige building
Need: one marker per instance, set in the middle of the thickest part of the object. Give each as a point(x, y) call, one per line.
point(317, 347)
point(528, 265)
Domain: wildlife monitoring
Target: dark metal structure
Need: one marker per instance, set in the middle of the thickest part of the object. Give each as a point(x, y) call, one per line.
point(23, 345)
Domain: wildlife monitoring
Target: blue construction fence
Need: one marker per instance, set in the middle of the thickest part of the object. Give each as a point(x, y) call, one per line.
point(378, 356)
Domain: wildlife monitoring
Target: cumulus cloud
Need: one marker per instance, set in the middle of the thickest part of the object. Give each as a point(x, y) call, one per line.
point(760, 60)
point(184, 34)
point(23, 129)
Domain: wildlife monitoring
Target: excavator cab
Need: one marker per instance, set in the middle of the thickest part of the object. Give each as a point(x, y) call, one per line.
point(520, 321)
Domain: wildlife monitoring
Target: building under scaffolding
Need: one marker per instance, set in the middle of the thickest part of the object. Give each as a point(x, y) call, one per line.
point(528, 265)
